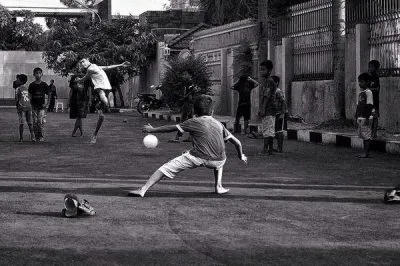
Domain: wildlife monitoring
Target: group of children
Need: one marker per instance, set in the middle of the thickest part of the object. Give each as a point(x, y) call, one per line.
point(31, 103)
point(272, 107)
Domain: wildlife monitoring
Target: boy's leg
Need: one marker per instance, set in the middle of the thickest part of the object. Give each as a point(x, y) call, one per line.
point(80, 125)
point(98, 126)
point(41, 124)
point(21, 125)
point(219, 189)
point(76, 126)
point(246, 126)
point(374, 127)
point(28, 116)
point(154, 179)
point(280, 141)
point(367, 144)
point(35, 119)
point(21, 132)
point(237, 121)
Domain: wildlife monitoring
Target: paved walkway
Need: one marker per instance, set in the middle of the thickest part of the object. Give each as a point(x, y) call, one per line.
point(312, 205)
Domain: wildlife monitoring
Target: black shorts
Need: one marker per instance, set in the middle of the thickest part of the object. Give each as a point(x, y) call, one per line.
point(98, 103)
point(280, 123)
point(245, 111)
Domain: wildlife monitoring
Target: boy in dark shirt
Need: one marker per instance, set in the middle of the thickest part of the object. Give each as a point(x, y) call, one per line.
point(209, 137)
point(23, 103)
point(38, 90)
point(375, 87)
point(244, 87)
point(364, 111)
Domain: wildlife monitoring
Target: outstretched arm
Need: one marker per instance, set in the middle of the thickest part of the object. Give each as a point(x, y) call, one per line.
point(255, 82)
point(239, 149)
point(162, 129)
point(124, 64)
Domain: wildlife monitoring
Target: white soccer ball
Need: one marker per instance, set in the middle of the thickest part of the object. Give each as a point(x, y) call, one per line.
point(150, 141)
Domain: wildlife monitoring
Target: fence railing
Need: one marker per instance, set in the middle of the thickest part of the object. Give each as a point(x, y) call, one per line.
point(310, 25)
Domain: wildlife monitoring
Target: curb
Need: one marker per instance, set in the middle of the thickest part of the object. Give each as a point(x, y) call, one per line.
point(313, 136)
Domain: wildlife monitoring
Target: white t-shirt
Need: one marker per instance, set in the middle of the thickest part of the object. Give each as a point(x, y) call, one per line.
point(99, 77)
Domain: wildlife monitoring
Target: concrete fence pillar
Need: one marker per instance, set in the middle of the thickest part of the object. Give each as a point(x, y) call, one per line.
point(287, 68)
point(362, 51)
point(225, 94)
point(271, 55)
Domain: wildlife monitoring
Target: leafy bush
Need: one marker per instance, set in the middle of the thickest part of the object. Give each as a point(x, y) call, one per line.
point(173, 83)
point(243, 61)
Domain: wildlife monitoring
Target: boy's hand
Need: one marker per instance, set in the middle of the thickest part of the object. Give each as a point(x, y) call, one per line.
point(126, 64)
point(148, 128)
point(243, 158)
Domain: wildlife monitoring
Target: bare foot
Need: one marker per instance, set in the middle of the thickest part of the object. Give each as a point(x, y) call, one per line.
point(136, 193)
point(221, 190)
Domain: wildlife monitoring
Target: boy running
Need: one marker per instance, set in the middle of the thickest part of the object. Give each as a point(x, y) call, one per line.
point(38, 90)
point(208, 150)
point(364, 112)
point(23, 103)
point(102, 87)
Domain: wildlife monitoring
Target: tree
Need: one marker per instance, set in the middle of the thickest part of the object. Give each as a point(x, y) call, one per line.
point(103, 43)
point(219, 12)
point(19, 35)
point(173, 84)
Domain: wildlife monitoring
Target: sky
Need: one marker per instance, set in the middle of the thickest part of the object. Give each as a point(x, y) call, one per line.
point(123, 7)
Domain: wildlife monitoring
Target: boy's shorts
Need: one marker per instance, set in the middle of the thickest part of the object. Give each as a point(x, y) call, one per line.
point(245, 111)
point(188, 161)
point(364, 131)
point(268, 126)
point(28, 117)
point(100, 106)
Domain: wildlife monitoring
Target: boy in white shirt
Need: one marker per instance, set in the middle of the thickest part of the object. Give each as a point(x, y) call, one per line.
point(102, 87)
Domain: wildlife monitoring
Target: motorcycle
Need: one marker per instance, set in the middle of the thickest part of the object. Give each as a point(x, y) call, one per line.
point(147, 101)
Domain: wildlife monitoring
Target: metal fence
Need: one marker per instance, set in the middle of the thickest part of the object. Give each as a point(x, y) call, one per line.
point(310, 26)
point(383, 18)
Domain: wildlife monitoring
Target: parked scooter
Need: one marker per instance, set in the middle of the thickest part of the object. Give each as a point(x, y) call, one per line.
point(148, 101)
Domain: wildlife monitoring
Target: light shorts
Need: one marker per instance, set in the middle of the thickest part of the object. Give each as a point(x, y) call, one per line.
point(28, 117)
point(268, 126)
point(188, 161)
point(364, 131)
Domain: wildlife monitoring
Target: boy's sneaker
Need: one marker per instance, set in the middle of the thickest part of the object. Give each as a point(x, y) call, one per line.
point(41, 139)
point(93, 140)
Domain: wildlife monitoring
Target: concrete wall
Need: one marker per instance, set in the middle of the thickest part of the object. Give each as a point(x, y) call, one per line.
point(22, 62)
point(390, 104)
point(314, 100)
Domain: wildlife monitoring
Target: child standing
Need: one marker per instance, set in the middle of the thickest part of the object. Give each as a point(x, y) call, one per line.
point(267, 108)
point(208, 150)
point(244, 86)
point(375, 87)
point(281, 114)
point(23, 103)
point(364, 111)
point(38, 90)
point(53, 96)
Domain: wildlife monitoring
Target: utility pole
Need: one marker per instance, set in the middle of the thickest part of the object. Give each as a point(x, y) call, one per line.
point(338, 41)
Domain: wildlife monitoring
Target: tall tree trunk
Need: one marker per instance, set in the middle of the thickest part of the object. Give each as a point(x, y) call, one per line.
point(338, 41)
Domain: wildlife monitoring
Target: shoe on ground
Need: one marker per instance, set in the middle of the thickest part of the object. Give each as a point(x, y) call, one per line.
point(41, 139)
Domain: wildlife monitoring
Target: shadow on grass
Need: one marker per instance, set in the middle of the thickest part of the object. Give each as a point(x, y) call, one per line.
point(45, 214)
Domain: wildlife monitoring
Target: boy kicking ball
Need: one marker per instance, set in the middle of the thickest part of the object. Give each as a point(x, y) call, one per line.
point(208, 149)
